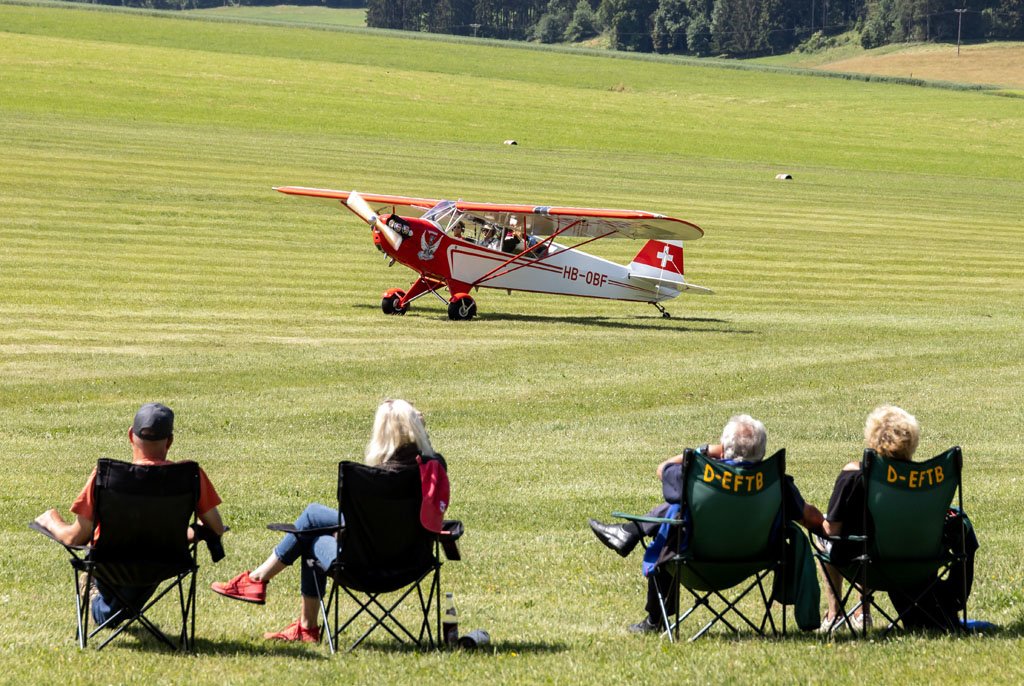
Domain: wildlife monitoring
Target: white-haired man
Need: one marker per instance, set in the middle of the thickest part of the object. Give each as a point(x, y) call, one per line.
point(743, 442)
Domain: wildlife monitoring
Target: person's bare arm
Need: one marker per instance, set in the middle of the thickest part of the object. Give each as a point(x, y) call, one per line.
point(836, 528)
point(678, 459)
point(813, 520)
point(211, 519)
point(77, 532)
point(715, 452)
point(832, 528)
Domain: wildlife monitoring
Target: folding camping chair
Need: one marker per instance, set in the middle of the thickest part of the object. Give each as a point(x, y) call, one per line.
point(142, 514)
point(905, 551)
point(730, 530)
point(384, 556)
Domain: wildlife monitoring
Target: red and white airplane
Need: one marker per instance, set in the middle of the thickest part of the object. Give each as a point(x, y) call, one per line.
point(460, 246)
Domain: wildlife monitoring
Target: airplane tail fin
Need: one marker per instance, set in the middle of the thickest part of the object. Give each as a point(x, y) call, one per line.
point(659, 260)
point(659, 265)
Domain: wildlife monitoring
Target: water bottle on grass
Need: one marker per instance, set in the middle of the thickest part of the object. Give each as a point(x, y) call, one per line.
point(450, 622)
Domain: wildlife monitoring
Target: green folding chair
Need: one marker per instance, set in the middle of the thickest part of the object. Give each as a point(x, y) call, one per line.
point(906, 551)
point(729, 532)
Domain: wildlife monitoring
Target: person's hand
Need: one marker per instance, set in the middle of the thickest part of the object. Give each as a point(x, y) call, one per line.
point(46, 519)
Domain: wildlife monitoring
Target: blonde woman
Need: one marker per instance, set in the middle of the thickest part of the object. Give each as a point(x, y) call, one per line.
point(894, 434)
point(399, 436)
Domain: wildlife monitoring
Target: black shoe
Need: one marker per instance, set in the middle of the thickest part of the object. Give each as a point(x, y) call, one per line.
point(645, 626)
point(621, 538)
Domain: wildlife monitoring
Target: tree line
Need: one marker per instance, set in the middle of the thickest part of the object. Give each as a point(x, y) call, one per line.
point(737, 28)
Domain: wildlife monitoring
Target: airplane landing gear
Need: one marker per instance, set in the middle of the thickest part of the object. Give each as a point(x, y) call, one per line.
point(462, 307)
point(664, 313)
point(391, 303)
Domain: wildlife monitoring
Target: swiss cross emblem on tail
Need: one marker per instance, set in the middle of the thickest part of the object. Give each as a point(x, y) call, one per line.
point(661, 255)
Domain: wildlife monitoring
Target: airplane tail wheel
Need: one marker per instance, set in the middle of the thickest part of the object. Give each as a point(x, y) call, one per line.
point(461, 307)
point(391, 302)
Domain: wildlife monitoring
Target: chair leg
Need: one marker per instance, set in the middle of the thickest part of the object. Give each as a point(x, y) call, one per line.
point(383, 615)
point(716, 616)
point(190, 637)
point(768, 608)
point(670, 628)
point(82, 605)
point(139, 615)
point(323, 608)
point(427, 606)
point(730, 606)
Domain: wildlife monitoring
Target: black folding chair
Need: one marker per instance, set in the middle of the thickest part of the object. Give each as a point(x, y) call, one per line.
point(385, 556)
point(142, 515)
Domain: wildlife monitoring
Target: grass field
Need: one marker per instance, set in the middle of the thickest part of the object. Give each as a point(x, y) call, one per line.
point(146, 258)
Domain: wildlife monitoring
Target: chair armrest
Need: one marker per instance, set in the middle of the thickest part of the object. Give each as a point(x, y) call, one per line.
point(452, 531)
point(648, 520)
point(214, 547)
point(319, 531)
point(36, 526)
point(201, 532)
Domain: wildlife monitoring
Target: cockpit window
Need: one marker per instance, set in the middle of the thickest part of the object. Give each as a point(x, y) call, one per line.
point(441, 214)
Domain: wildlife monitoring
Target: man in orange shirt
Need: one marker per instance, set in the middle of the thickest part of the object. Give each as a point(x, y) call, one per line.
point(150, 437)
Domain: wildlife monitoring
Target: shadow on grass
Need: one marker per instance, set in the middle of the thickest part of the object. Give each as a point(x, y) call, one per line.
point(499, 648)
point(1011, 631)
point(1014, 629)
point(137, 638)
point(636, 322)
point(652, 323)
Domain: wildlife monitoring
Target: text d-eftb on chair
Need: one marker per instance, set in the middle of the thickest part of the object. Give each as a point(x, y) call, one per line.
point(732, 530)
point(914, 543)
point(385, 556)
point(143, 513)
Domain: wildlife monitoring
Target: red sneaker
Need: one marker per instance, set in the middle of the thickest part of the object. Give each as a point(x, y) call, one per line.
point(295, 632)
point(242, 588)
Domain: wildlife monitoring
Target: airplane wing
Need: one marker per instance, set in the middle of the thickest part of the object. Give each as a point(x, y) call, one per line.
point(541, 220)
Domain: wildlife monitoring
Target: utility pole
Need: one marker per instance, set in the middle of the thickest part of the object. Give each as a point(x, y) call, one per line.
point(959, 24)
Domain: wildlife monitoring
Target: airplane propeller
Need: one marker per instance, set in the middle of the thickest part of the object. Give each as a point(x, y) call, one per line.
point(359, 206)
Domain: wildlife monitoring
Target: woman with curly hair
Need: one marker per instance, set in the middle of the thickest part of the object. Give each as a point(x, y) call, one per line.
point(893, 433)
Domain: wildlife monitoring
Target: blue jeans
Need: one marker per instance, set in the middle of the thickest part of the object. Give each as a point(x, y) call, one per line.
point(105, 605)
point(321, 549)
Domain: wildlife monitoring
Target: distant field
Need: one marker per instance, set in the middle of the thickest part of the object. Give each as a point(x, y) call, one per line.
point(999, 64)
point(290, 14)
point(145, 257)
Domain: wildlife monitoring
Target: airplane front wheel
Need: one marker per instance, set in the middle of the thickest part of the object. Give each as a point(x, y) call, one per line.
point(462, 307)
point(391, 303)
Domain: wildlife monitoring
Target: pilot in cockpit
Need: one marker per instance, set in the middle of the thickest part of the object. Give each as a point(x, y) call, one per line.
point(489, 239)
point(459, 231)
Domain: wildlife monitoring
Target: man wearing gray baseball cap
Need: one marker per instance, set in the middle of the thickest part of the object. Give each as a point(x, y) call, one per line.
point(150, 437)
